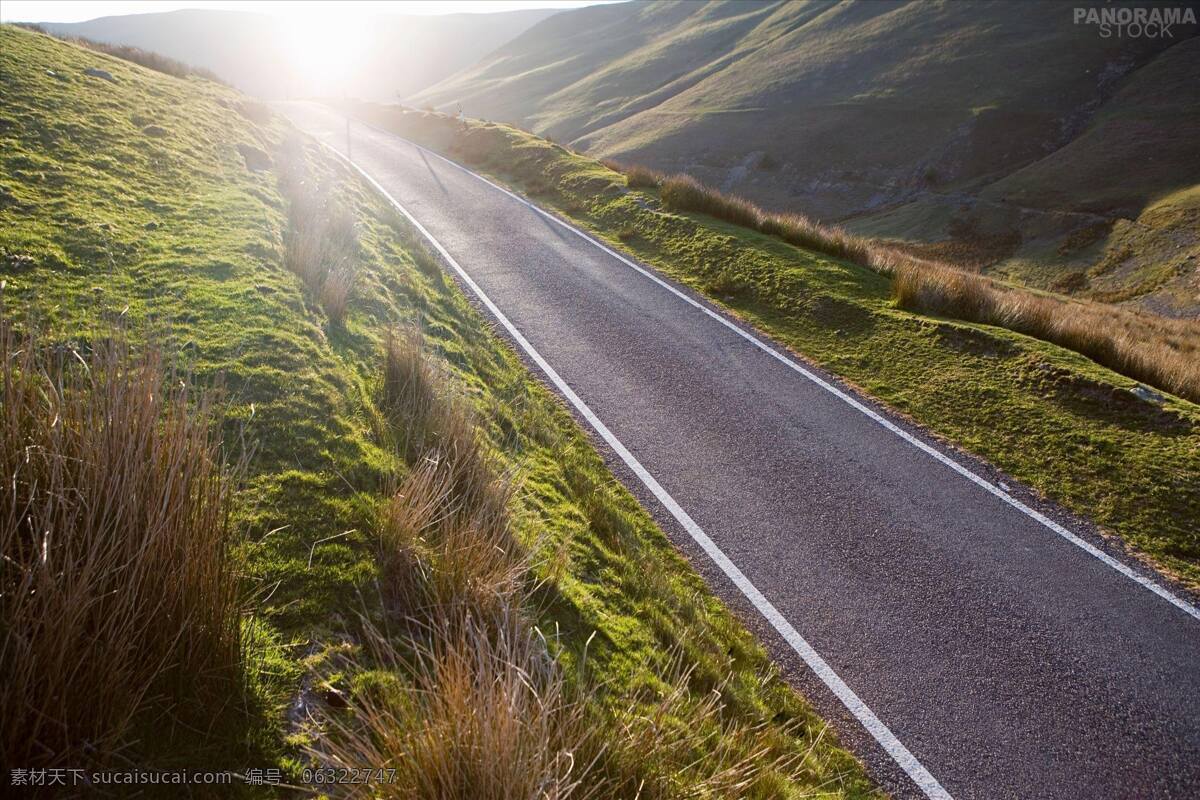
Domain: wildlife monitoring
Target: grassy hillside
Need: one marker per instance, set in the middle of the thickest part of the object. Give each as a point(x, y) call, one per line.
point(1071, 429)
point(972, 130)
point(1132, 166)
point(420, 536)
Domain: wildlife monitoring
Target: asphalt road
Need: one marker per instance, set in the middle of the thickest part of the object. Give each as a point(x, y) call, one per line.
point(960, 646)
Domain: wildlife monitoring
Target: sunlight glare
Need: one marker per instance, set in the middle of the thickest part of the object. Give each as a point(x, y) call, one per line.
point(324, 48)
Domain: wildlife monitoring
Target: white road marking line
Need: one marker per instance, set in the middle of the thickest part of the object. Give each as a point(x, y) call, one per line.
point(881, 733)
point(1074, 539)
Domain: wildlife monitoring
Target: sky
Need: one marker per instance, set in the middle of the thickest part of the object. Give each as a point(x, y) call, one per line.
point(75, 11)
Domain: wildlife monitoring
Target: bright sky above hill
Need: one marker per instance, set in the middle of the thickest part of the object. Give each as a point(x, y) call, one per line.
point(43, 11)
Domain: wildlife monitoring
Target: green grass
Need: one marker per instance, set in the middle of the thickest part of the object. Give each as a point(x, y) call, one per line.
point(173, 234)
point(1053, 419)
point(1152, 254)
point(880, 116)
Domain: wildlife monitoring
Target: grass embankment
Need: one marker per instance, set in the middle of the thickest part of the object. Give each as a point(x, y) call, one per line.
point(1163, 352)
point(1060, 422)
point(433, 564)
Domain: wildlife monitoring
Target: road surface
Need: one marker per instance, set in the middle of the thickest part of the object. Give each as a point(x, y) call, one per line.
point(961, 646)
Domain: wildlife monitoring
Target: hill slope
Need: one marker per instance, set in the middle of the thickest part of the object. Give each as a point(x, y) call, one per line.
point(396, 54)
point(178, 212)
point(993, 135)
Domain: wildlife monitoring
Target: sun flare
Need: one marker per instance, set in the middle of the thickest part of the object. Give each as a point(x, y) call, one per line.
point(324, 49)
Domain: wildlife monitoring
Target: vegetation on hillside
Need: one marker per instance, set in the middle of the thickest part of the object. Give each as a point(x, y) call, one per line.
point(889, 117)
point(431, 559)
point(1071, 429)
point(146, 58)
point(118, 586)
point(1162, 352)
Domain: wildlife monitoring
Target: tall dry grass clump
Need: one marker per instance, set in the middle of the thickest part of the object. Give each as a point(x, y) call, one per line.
point(636, 175)
point(1162, 352)
point(1156, 350)
point(948, 292)
point(451, 509)
point(116, 586)
point(429, 422)
point(801, 231)
point(408, 390)
point(321, 241)
point(335, 292)
point(482, 711)
point(475, 565)
point(477, 713)
point(685, 193)
point(642, 178)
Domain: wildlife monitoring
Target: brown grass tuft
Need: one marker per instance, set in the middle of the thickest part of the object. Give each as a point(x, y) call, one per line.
point(483, 711)
point(636, 175)
point(948, 292)
point(452, 501)
point(430, 422)
point(116, 586)
point(321, 242)
point(642, 178)
point(484, 716)
point(1156, 350)
point(685, 193)
point(443, 558)
point(408, 391)
point(335, 293)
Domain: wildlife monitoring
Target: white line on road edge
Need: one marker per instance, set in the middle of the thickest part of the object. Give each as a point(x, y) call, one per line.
point(882, 734)
point(1086, 546)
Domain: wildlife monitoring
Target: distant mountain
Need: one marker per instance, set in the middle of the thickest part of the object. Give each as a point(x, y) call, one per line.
point(400, 54)
point(1006, 135)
